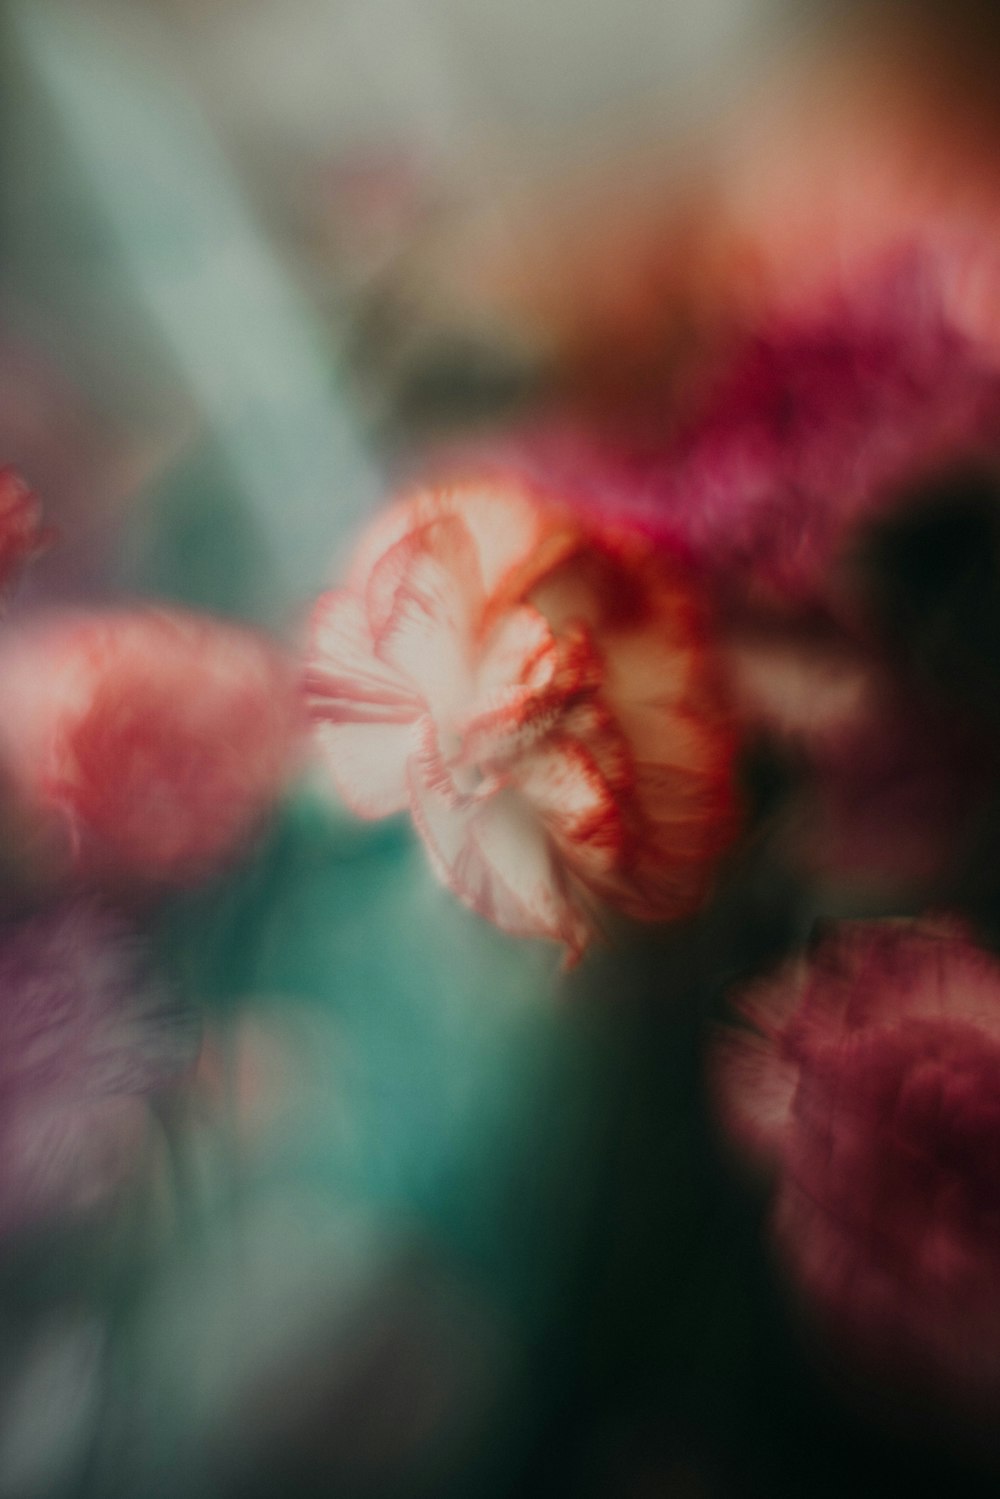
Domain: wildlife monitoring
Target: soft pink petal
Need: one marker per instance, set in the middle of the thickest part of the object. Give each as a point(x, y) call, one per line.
point(520, 650)
point(513, 878)
point(345, 680)
point(507, 726)
point(755, 1089)
point(508, 527)
point(426, 633)
point(145, 743)
point(590, 722)
point(495, 857)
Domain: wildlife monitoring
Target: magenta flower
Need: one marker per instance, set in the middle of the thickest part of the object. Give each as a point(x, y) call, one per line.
point(870, 1087)
point(543, 700)
point(818, 422)
point(86, 1040)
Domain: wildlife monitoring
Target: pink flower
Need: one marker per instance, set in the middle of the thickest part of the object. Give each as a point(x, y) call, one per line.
point(145, 742)
point(870, 1085)
point(542, 699)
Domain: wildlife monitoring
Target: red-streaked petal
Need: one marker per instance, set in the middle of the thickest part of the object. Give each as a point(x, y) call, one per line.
point(564, 785)
point(511, 722)
point(368, 764)
point(688, 815)
point(345, 680)
point(515, 537)
point(425, 601)
point(495, 858)
point(440, 813)
point(590, 722)
point(512, 533)
point(509, 875)
point(648, 671)
point(521, 650)
point(508, 726)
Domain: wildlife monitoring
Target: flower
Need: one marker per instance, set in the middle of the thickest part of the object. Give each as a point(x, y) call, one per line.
point(541, 697)
point(22, 534)
point(86, 1039)
point(145, 742)
point(870, 1085)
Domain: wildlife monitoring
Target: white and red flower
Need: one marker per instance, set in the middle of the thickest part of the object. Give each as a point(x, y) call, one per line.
point(542, 698)
point(143, 742)
point(870, 1087)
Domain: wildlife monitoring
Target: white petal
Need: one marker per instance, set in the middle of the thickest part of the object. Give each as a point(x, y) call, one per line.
point(426, 621)
point(346, 681)
point(368, 764)
point(510, 866)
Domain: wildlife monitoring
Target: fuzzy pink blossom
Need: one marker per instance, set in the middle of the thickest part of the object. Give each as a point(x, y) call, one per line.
point(544, 701)
point(870, 1087)
point(146, 742)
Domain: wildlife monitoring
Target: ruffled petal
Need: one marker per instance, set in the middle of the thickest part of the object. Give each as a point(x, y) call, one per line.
point(494, 856)
point(521, 649)
point(563, 782)
point(425, 602)
point(754, 1086)
point(345, 681)
point(509, 722)
point(509, 875)
point(515, 538)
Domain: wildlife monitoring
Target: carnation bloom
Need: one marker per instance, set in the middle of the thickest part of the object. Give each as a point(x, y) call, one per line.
point(870, 1085)
point(86, 1039)
point(542, 699)
point(144, 743)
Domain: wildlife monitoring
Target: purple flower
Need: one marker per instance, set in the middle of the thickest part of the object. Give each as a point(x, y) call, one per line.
point(86, 1039)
